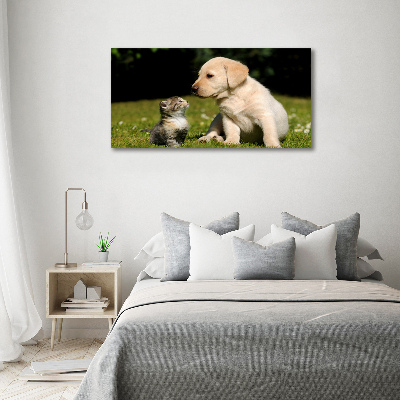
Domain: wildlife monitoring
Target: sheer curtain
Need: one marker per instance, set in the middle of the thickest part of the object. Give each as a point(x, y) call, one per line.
point(19, 319)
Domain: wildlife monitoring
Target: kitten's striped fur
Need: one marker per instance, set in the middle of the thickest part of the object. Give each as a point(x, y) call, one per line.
point(173, 126)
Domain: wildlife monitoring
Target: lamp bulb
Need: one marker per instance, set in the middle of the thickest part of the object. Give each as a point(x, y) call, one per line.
point(84, 220)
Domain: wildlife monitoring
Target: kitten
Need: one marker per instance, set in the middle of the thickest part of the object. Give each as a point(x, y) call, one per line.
point(173, 126)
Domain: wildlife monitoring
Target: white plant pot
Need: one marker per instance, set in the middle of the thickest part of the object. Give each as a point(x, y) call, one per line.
point(103, 256)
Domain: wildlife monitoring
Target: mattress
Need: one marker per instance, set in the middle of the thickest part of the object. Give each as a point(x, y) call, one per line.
point(150, 282)
point(145, 283)
point(251, 339)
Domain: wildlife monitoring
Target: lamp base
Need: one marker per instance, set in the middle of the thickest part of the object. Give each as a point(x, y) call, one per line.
point(69, 265)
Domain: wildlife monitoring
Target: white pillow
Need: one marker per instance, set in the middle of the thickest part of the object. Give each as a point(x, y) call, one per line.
point(366, 249)
point(365, 269)
point(211, 255)
point(266, 240)
point(315, 253)
point(153, 248)
point(155, 268)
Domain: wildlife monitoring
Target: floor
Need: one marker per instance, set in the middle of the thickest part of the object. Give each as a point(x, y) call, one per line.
point(68, 349)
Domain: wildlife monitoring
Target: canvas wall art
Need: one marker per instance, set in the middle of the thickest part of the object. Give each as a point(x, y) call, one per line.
point(210, 98)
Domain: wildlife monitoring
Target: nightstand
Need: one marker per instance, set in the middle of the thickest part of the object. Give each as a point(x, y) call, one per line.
point(60, 284)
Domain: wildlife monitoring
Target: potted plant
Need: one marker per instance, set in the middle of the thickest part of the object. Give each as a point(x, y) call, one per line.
point(103, 245)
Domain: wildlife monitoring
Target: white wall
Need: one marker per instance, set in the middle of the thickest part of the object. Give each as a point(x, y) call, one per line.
point(60, 90)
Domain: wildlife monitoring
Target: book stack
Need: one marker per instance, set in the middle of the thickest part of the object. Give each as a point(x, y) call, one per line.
point(64, 370)
point(72, 305)
point(91, 264)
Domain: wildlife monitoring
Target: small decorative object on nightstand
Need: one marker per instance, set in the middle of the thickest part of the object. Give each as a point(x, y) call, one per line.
point(80, 290)
point(60, 283)
point(83, 221)
point(93, 292)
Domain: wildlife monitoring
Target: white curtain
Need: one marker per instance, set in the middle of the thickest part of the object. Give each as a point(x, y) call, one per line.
point(19, 319)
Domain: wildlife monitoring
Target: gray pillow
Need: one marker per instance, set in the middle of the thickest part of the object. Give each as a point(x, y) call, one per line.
point(253, 261)
point(346, 244)
point(177, 243)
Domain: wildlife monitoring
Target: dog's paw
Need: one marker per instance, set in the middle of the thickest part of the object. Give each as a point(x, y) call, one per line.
point(272, 143)
point(231, 141)
point(218, 139)
point(204, 139)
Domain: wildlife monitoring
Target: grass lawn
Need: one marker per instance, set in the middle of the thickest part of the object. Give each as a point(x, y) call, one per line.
point(127, 119)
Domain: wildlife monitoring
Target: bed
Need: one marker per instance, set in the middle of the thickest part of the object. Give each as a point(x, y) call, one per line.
point(286, 317)
point(251, 340)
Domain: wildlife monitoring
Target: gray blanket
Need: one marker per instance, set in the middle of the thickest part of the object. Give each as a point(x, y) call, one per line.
point(252, 340)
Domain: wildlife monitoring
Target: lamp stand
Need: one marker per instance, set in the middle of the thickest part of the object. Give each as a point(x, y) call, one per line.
point(66, 264)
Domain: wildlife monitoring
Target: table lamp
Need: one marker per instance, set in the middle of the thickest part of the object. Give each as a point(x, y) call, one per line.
point(83, 221)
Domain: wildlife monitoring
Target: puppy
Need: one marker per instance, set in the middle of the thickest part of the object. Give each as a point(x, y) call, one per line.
point(247, 109)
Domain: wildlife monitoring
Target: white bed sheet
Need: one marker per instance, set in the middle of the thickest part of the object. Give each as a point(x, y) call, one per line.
point(148, 282)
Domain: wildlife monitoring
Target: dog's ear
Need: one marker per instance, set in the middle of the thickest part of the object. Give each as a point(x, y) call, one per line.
point(236, 73)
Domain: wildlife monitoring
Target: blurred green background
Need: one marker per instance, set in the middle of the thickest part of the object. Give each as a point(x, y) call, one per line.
point(161, 73)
